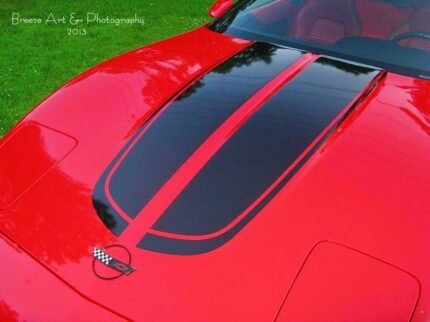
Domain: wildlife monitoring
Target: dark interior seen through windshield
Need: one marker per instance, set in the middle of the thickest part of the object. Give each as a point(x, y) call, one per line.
point(390, 34)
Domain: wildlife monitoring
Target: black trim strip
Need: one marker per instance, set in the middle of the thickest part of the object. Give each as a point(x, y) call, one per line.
point(184, 126)
point(257, 154)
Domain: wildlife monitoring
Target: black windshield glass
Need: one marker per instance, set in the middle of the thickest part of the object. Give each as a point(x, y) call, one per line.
point(390, 34)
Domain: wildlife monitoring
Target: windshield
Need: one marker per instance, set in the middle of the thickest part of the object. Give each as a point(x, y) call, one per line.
point(389, 34)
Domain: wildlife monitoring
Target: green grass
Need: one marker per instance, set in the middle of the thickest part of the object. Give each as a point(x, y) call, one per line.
point(37, 59)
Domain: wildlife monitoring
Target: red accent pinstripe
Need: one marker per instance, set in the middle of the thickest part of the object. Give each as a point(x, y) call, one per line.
point(178, 182)
point(287, 171)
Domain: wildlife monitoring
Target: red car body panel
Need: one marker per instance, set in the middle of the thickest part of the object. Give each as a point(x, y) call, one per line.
point(32, 293)
point(360, 202)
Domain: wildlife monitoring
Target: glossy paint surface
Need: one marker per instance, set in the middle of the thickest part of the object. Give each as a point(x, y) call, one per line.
point(220, 7)
point(366, 187)
point(24, 296)
point(333, 285)
point(157, 151)
point(44, 146)
point(216, 203)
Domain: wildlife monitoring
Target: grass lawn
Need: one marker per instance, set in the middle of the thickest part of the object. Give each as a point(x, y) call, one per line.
point(36, 59)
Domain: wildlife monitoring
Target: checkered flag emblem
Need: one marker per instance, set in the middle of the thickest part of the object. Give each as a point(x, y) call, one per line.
point(113, 263)
point(102, 256)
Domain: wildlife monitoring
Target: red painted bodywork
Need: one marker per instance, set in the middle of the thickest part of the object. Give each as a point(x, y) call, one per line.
point(46, 148)
point(366, 190)
point(331, 283)
point(220, 7)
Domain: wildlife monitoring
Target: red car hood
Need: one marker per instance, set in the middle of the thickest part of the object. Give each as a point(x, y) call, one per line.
point(333, 216)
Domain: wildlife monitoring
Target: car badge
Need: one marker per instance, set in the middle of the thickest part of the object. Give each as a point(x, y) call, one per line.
point(104, 264)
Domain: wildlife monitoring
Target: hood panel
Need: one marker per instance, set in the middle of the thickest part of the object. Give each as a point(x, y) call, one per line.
point(366, 186)
point(29, 292)
point(258, 159)
point(156, 152)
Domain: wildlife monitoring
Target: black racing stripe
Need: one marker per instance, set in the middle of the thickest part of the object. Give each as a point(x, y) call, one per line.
point(264, 147)
point(174, 246)
point(190, 120)
point(225, 88)
point(106, 212)
point(109, 216)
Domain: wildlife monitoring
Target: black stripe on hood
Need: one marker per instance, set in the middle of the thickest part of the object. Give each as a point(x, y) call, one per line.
point(257, 155)
point(183, 127)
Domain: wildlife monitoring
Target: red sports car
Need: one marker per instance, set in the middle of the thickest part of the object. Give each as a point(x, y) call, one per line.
point(271, 165)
